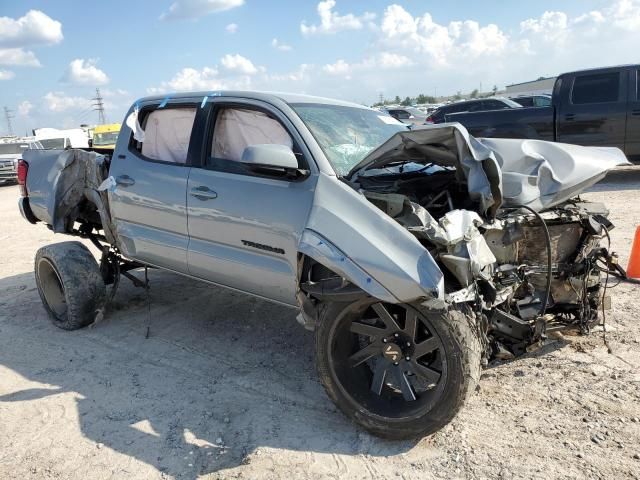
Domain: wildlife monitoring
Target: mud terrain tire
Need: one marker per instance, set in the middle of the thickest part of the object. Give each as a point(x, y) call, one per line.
point(69, 283)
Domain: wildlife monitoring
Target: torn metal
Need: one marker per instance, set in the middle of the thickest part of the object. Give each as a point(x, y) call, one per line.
point(465, 203)
point(65, 186)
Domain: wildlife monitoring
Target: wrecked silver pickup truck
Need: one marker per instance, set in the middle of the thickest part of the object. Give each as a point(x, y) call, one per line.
point(415, 255)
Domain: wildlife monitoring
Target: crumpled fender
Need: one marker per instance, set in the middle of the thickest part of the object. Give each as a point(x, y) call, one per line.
point(352, 237)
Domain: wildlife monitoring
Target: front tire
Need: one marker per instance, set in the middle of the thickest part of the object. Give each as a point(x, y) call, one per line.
point(399, 371)
point(70, 284)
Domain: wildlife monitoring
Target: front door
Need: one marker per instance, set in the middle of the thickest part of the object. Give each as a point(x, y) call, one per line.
point(244, 226)
point(594, 109)
point(148, 204)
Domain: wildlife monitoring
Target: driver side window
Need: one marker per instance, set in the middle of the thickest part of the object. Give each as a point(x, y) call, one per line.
point(237, 128)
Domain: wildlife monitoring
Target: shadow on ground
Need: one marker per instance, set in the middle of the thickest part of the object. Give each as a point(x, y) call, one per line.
point(221, 375)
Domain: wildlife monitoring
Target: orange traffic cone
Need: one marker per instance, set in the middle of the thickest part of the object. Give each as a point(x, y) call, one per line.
point(633, 270)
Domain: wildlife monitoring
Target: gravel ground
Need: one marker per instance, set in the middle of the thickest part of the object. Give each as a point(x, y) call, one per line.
point(225, 387)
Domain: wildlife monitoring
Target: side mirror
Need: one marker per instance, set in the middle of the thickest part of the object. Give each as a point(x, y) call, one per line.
point(272, 159)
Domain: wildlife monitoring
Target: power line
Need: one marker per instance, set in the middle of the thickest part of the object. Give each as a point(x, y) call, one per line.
point(99, 106)
point(8, 115)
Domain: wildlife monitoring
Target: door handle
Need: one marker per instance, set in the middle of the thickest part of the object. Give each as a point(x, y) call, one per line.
point(125, 181)
point(203, 193)
point(570, 116)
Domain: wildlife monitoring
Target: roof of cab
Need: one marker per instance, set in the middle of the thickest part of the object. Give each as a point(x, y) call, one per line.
point(264, 96)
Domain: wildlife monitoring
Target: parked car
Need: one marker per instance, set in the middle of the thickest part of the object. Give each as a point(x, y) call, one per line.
point(415, 256)
point(476, 105)
point(105, 136)
point(599, 107)
point(533, 100)
point(408, 115)
point(10, 153)
point(53, 138)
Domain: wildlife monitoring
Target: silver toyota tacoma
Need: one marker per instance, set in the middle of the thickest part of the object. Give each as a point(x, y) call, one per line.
point(416, 255)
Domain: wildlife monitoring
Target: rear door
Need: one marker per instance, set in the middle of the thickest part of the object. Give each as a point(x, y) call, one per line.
point(593, 110)
point(149, 202)
point(632, 141)
point(245, 226)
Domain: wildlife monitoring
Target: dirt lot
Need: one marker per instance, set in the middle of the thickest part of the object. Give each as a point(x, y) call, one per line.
point(225, 387)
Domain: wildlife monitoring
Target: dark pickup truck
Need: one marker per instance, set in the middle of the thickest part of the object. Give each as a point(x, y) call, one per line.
point(599, 107)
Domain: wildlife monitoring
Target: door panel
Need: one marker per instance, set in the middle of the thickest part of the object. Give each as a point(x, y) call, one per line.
point(247, 236)
point(594, 109)
point(150, 214)
point(149, 205)
point(632, 143)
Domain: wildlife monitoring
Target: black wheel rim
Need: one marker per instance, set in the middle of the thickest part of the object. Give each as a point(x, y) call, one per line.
point(52, 289)
point(388, 359)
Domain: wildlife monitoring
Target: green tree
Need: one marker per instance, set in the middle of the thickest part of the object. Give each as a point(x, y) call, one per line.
point(397, 100)
point(406, 102)
point(474, 93)
point(494, 90)
point(458, 95)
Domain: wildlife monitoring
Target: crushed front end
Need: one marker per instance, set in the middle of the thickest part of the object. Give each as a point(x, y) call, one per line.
point(520, 251)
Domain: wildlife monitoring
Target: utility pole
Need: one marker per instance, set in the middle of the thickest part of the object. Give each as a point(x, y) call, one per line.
point(8, 115)
point(99, 106)
point(381, 98)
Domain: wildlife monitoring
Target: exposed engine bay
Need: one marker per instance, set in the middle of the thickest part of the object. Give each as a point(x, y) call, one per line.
point(522, 268)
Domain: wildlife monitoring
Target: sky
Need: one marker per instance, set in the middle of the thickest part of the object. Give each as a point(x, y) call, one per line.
point(53, 55)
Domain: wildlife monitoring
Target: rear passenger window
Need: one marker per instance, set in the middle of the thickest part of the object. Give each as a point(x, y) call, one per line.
point(597, 88)
point(167, 132)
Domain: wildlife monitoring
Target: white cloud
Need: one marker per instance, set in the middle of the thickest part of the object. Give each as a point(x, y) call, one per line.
point(441, 43)
point(283, 47)
point(60, 102)
point(18, 57)
point(393, 60)
point(192, 79)
point(84, 72)
point(34, 28)
point(238, 64)
point(6, 74)
point(332, 22)
point(231, 28)
point(625, 14)
point(552, 26)
point(24, 108)
point(339, 68)
point(190, 9)
point(235, 73)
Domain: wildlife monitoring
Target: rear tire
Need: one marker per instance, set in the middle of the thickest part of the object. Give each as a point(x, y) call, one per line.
point(70, 284)
point(387, 410)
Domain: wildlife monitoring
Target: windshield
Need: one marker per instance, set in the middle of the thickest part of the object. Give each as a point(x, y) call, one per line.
point(9, 148)
point(52, 143)
point(347, 134)
point(106, 138)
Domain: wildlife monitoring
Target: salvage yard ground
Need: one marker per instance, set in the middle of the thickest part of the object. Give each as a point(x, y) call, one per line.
point(225, 387)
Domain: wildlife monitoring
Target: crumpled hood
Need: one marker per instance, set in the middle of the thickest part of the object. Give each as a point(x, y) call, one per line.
point(508, 172)
point(542, 174)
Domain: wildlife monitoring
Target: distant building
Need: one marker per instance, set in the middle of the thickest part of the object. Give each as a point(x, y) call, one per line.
point(542, 85)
